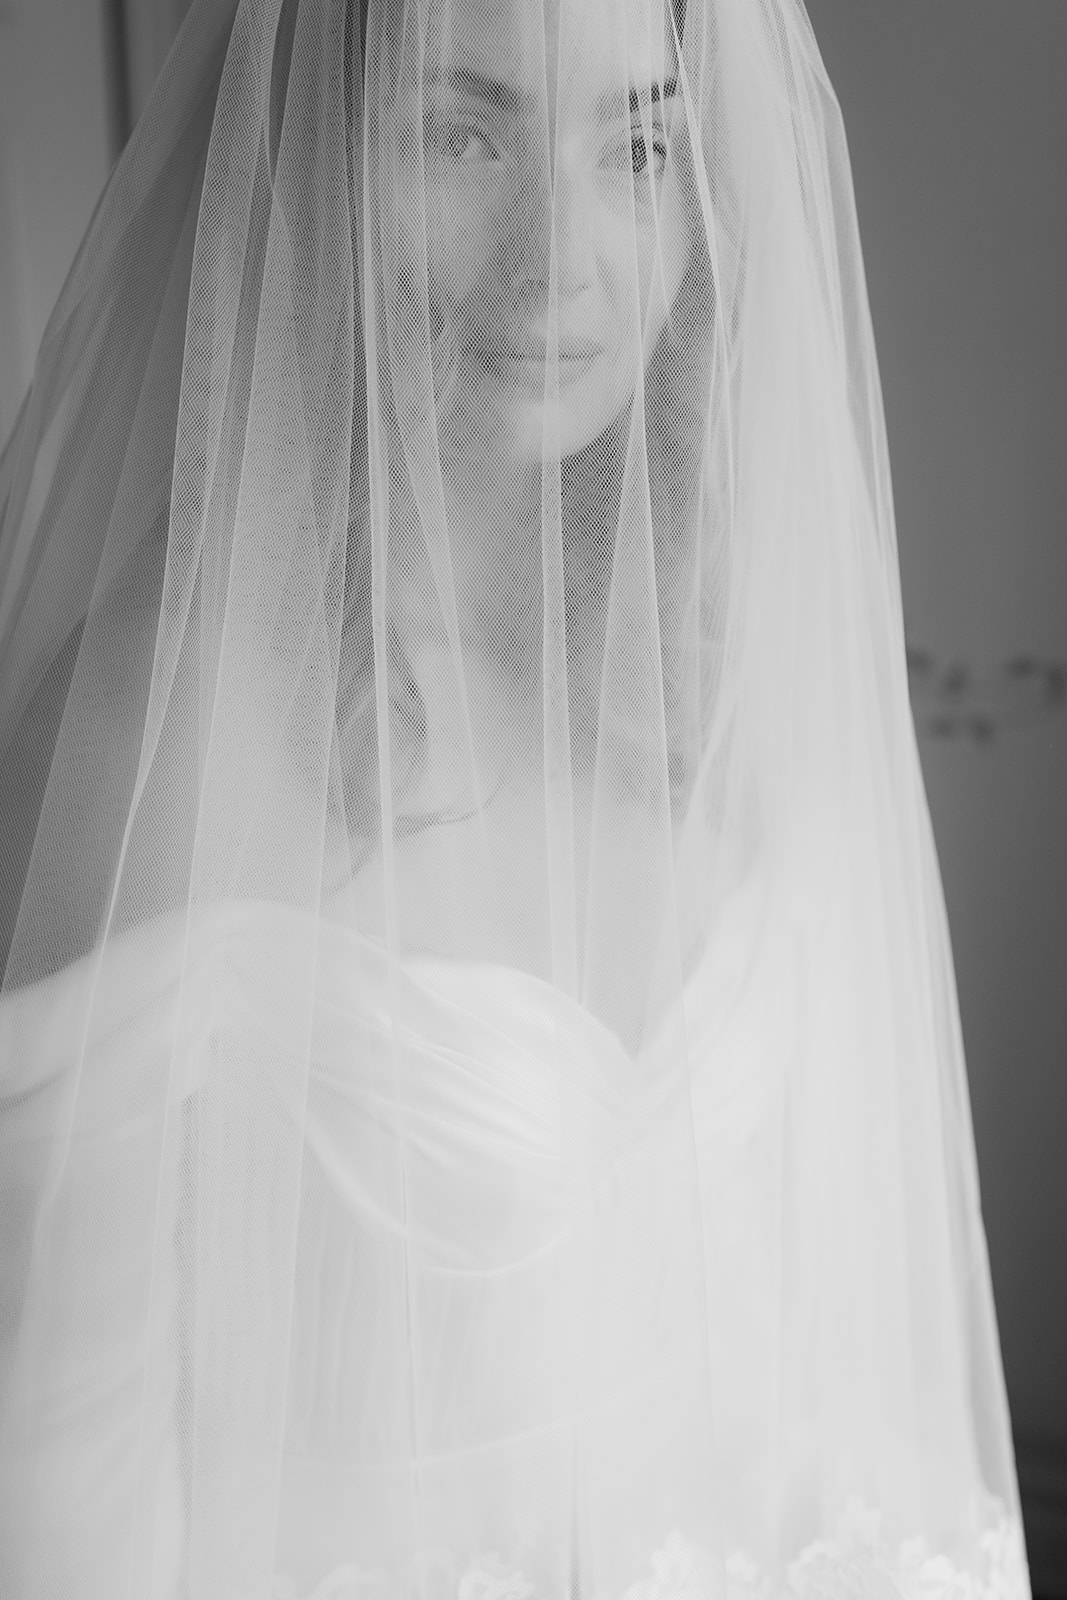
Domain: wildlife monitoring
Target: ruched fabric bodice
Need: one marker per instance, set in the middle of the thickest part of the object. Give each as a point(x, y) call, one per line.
point(525, 1259)
point(489, 1181)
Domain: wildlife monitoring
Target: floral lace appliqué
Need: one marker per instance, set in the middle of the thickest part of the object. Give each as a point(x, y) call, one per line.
point(854, 1565)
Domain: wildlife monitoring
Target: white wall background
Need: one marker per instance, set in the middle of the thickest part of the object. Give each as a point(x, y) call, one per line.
point(957, 115)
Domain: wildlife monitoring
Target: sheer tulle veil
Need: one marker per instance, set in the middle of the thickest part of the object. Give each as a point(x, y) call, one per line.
point(482, 1106)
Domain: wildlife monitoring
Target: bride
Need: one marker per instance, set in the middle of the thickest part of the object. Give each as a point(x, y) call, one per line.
point(482, 1109)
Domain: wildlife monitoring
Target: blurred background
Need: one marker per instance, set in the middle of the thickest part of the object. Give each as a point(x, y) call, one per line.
point(957, 120)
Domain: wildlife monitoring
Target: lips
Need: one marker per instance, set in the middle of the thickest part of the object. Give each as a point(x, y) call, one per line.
point(525, 358)
point(570, 349)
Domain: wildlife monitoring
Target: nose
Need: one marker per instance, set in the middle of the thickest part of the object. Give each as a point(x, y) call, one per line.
point(574, 232)
point(555, 211)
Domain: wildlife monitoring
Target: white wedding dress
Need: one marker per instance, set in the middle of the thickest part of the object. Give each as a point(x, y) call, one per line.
point(497, 1183)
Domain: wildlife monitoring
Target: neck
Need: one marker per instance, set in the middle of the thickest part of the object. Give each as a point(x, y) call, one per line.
point(478, 575)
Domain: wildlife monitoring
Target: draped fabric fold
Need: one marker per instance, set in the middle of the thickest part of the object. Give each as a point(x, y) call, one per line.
point(482, 1106)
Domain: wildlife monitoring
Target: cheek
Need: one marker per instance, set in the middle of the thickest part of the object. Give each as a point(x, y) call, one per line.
point(447, 267)
point(663, 264)
point(467, 249)
point(645, 269)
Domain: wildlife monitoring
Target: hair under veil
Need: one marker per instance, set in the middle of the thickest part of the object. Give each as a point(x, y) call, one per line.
point(482, 1106)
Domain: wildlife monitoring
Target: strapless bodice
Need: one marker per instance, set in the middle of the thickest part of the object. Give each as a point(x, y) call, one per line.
point(366, 1238)
point(482, 1174)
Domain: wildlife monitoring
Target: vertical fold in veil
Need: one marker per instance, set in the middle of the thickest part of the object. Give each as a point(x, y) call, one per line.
point(482, 1107)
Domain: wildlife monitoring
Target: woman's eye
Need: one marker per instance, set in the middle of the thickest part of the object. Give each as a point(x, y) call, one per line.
point(465, 143)
point(640, 153)
point(643, 152)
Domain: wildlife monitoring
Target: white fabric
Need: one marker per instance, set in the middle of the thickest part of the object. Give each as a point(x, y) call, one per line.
point(482, 1108)
point(546, 1188)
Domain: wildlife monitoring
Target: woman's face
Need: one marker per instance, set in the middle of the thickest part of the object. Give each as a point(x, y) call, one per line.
point(556, 240)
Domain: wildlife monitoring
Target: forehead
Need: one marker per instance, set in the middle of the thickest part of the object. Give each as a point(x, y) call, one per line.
point(588, 46)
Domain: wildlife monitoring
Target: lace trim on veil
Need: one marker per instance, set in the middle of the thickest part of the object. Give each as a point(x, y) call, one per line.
point(856, 1564)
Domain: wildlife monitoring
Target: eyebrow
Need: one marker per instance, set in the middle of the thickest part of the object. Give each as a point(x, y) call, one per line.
point(657, 93)
point(493, 91)
point(505, 97)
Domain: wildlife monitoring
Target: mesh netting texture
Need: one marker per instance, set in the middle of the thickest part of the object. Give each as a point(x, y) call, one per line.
point(482, 1106)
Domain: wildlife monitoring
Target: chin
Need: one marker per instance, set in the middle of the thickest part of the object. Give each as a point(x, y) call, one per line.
point(571, 421)
point(539, 435)
point(510, 412)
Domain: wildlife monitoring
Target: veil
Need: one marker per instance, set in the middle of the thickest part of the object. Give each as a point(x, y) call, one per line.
point(482, 1106)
